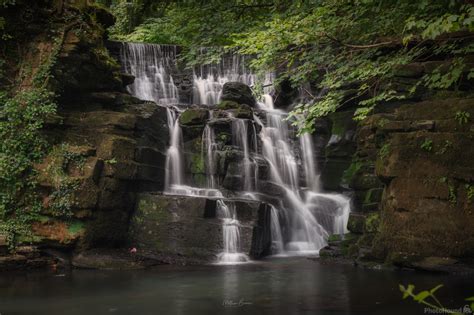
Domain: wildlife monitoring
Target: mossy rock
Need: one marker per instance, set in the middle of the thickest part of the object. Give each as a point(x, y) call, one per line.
point(356, 223)
point(194, 116)
point(238, 110)
point(239, 93)
point(372, 223)
point(365, 182)
point(373, 195)
point(226, 104)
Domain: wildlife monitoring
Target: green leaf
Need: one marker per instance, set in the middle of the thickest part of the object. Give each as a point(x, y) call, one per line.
point(420, 297)
point(407, 291)
point(436, 288)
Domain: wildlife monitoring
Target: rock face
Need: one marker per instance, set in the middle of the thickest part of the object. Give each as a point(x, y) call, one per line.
point(413, 176)
point(105, 145)
point(239, 93)
point(182, 229)
point(428, 170)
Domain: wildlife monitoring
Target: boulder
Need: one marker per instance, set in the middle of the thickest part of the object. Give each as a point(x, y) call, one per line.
point(239, 93)
point(194, 116)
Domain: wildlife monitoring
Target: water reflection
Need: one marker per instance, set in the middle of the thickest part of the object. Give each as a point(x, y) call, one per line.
point(277, 286)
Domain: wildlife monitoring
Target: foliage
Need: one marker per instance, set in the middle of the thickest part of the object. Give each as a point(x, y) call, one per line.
point(62, 199)
point(427, 145)
point(462, 117)
point(372, 223)
point(333, 45)
point(22, 118)
point(384, 151)
point(111, 161)
point(428, 298)
point(59, 159)
point(351, 171)
point(469, 192)
point(23, 112)
point(4, 4)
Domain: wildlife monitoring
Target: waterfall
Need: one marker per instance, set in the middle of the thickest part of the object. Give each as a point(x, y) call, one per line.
point(302, 220)
point(240, 138)
point(307, 155)
point(277, 237)
point(174, 175)
point(208, 155)
point(230, 233)
point(152, 66)
point(209, 79)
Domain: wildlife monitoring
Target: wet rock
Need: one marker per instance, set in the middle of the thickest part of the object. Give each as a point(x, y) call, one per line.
point(111, 259)
point(194, 116)
point(356, 223)
point(340, 147)
point(127, 79)
point(186, 229)
point(239, 93)
point(423, 157)
point(237, 110)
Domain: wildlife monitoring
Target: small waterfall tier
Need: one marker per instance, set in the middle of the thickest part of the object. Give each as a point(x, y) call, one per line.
point(228, 152)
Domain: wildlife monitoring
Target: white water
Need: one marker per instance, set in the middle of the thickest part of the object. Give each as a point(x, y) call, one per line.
point(208, 80)
point(231, 253)
point(174, 175)
point(303, 219)
point(151, 65)
point(208, 155)
point(240, 137)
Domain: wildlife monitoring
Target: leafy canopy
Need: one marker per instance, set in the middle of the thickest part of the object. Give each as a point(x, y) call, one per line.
point(334, 45)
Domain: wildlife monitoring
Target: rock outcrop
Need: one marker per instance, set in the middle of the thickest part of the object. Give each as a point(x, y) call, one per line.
point(105, 145)
point(187, 230)
point(239, 93)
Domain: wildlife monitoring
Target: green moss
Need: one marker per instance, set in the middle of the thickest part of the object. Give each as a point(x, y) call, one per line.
point(350, 172)
point(382, 122)
point(356, 224)
point(198, 166)
point(76, 227)
point(338, 129)
point(228, 105)
point(193, 116)
point(373, 195)
point(469, 192)
point(223, 137)
point(384, 151)
point(372, 223)
point(154, 208)
point(334, 238)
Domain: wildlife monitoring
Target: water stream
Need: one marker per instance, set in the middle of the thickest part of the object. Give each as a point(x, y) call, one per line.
point(305, 216)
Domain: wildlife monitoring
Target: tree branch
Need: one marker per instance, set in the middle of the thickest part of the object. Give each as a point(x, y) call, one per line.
point(360, 46)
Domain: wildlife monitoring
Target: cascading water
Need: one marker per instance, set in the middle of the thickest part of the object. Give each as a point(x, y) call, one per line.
point(209, 79)
point(174, 175)
point(230, 233)
point(304, 217)
point(240, 138)
point(208, 155)
point(151, 65)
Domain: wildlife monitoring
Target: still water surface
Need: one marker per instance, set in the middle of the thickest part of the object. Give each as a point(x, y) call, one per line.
point(274, 286)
